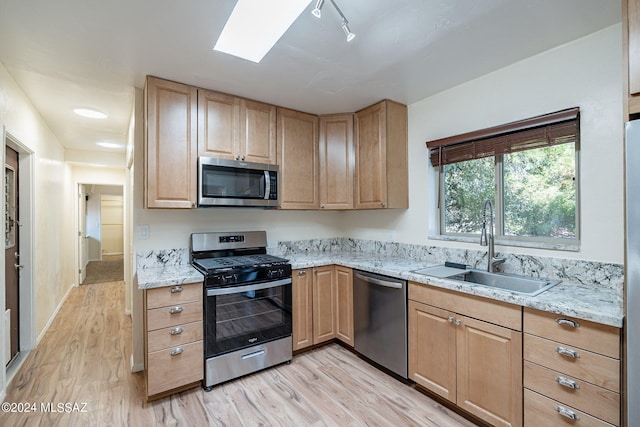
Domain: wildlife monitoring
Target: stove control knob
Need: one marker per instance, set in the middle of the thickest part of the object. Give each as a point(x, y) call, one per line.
point(222, 279)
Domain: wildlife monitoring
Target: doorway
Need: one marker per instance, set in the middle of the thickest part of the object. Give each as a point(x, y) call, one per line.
point(11, 254)
point(17, 319)
point(100, 233)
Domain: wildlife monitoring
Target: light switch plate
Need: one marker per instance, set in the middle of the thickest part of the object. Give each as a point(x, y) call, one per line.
point(143, 232)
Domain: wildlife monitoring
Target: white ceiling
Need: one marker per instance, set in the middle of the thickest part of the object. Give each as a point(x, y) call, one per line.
point(70, 53)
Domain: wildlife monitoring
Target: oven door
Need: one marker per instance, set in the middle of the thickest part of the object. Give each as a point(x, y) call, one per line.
point(243, 316)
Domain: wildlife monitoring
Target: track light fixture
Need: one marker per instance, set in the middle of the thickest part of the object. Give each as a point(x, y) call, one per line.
point(317, 11)
point(345, 24)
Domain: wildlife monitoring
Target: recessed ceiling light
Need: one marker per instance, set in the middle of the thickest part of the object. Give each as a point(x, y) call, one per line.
point(256, 25)
point(110, 144)
point(88, 112)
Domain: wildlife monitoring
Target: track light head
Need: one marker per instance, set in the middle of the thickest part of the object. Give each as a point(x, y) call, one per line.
point(317, 11)
point(347, 30)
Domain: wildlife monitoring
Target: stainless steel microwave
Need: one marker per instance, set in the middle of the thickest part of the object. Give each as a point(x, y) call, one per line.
point(235, 183)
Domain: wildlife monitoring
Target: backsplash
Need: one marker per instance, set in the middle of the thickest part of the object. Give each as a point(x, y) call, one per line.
point(162, 258)
point(570, 270)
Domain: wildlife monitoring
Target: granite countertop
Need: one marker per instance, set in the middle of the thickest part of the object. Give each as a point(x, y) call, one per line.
point(588, 302)
point(158, 277)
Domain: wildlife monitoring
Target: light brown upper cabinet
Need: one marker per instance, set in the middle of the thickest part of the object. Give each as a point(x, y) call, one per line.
point(381, 175)
point(234, 128)
point(631, 22)
point(298, 159)
point(336, 161)
point(218, 125)
point(170, 144)
point(257, 132)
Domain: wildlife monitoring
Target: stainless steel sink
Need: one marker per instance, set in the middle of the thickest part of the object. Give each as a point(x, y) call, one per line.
point(509, 282)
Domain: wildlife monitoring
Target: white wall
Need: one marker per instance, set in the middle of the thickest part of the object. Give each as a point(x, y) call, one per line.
point(53, 274)
point(586, 73)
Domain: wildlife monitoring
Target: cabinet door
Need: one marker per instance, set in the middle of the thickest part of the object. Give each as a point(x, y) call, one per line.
point(218, 125)
point(257, 132)
point(489, 359)
point(298, 159)
point(171, 144)
point(324, 304)
point(432, 349)
point(371, 166)
point(302, 294)
point(344, 310)
point(336, 161)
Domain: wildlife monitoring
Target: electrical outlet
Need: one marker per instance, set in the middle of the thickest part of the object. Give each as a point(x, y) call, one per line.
point(143, 232)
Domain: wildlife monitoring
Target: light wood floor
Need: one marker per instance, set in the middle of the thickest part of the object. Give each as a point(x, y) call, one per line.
point(85, 358)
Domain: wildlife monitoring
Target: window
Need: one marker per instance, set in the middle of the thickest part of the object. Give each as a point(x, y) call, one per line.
point(527, 169)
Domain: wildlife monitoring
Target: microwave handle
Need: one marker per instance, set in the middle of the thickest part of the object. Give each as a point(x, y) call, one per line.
point(267, 185)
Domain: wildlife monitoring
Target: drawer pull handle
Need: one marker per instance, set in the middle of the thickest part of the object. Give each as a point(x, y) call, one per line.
point(176, 331)
point(176, 351)
point(567, 413)
point(176, 309)
point(567, 322)
point(254, 354)
point(175, 289)
point(566, 382)
point(568, 353)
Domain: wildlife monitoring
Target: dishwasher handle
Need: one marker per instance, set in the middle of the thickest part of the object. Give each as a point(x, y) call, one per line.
point(379, 282)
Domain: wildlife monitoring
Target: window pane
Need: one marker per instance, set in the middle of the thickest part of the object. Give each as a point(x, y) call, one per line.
point(466, 186)
point(540, 192)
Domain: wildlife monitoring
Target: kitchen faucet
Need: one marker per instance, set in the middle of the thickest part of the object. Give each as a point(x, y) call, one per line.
point(486, 239)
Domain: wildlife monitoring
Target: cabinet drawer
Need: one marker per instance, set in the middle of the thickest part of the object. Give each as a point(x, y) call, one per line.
point(174, 315)
point(597, 401)
point(172, 295)
point(542, 411)
point(601, 339)
point(166, 371)
point(174, 336)
point(591, 367)
point(497, 312)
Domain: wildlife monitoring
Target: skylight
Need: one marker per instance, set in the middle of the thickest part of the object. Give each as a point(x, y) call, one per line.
point(255, 26)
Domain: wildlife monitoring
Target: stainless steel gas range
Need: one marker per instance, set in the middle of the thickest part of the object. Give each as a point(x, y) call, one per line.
point(247, 304)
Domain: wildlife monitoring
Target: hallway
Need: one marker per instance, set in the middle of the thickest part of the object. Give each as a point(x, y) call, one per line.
point(84, 359)
point(110, 269)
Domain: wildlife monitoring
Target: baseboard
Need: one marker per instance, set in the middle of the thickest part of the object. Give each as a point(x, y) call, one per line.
point(54, 314)
point(136, 367)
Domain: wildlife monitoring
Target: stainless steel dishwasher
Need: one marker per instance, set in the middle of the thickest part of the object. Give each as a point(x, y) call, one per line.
point(380, 320)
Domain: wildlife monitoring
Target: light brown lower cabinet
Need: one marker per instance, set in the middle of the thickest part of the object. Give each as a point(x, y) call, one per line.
point(344, 304)
point(473, 363)
point(571, 371)
point(174, 353)
point(322, 305)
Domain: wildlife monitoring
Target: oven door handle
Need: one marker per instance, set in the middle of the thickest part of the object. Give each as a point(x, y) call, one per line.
point(239, 289)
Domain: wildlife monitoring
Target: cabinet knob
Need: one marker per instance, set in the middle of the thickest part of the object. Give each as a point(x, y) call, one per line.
point(321, 206)
point(176, 351)
point(567, 413)
point(302, 273)
point(237, 157)
point(567, 322)
point(450, 319)
point(243, 157)
point(175, 310)
point(176, 288)
point(572, 354)
point(458, 322)
point(193, 204)
point(566, 382)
